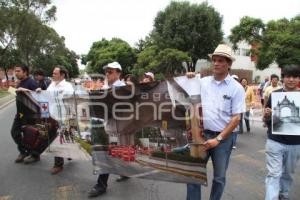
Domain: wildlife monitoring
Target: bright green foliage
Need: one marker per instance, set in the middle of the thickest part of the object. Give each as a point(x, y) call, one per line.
point(191, 28)
point(277, 40)
point(104, 51)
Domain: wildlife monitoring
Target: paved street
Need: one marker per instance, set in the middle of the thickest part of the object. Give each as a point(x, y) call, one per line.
point(34, 182)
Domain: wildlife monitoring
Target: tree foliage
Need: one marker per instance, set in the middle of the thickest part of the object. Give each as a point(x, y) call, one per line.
point(105, 51)
point(24, 32)
point(161, 62)
point(191, 28)
point(277, 40)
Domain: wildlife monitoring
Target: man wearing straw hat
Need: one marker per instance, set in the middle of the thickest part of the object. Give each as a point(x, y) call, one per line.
point(223, 100)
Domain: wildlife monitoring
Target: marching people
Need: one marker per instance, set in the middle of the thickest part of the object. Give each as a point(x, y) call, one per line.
point(148, 77)
point(42, 81)
point(274, 86)
point(282, 151)
point(261, 88)
point(23, 116)
point(221, 114)
point(59, 87)
point(112, 79)
point(250, 99)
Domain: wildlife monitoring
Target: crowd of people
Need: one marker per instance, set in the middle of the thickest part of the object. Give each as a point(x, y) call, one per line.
point(233, 97)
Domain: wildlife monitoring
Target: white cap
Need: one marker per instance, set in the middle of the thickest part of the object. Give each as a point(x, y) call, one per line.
point(113, 65)
point(234, 76)
point(149, 74)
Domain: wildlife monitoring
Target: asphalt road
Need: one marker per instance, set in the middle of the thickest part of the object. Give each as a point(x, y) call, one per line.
point(245, 178)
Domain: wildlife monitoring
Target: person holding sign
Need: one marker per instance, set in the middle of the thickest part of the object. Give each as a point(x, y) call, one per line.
point(282, 151)
point(223, 101)
point(23, 116)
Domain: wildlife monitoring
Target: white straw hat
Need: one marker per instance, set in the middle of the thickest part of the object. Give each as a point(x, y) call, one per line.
point(223, 50)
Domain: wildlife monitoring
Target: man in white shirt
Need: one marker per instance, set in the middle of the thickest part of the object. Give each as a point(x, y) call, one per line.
point(223, 100)
point(112, 79)
point(59, 87)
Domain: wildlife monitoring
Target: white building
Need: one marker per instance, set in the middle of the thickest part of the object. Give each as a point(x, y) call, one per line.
point(243, 61)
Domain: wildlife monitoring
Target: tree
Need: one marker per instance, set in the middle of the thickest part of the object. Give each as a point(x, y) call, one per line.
point(24, 32)
point(277, 40)
point(191, 28)
point(161, 62)
point(21, 20)
point(103, 52)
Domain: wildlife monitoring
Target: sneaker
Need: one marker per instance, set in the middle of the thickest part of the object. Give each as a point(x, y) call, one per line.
point(31, 159)
point(56, 170)
point(20, 158)
point(96, 191)
point(234, 147)
point(122, 178)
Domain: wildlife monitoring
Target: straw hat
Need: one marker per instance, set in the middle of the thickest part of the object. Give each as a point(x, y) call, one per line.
point(223, 50)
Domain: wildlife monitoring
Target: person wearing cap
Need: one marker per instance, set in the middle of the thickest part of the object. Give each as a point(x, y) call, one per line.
point(148, 77)
point(112, 79)
point(223, 101)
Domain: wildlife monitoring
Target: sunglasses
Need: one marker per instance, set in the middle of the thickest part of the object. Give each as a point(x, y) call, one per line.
point(109, 72)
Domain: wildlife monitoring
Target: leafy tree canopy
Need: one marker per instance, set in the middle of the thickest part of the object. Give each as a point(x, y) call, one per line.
point(26, 37)
point(161, 62)
point(191, 28)
point(105, 51)
point(276, 40)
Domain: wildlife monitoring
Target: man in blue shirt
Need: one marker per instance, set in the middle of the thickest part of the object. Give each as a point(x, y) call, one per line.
point(223, 100)
point(23, 115)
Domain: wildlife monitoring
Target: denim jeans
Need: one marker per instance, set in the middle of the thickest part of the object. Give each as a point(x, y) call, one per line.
point(281, 163)
point(234, 137)
point(220, 159)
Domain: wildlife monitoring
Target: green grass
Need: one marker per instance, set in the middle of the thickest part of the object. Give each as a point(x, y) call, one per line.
point(3, 93)
point(85, 145)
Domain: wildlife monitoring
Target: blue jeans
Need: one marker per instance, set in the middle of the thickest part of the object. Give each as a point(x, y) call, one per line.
point(281, 163)
point(234, 137)
point(220, 159)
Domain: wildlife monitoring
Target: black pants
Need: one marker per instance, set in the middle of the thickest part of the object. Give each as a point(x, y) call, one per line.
point(16, 134)
point(102, 180)
point(245, 116)
point(58, 161)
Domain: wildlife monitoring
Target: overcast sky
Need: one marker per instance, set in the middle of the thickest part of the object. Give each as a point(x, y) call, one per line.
point(83, 22)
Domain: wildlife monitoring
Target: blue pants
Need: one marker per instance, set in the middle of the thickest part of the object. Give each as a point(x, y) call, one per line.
point(281, 164)
point(220, 159)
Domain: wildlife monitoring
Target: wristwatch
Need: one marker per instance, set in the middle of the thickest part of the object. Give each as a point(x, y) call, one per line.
point(219, 138)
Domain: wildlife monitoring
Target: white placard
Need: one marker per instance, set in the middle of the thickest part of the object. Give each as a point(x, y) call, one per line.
point(285, 113)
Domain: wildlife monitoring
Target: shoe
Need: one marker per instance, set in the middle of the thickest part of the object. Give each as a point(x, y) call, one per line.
point(69, 159)
point(248, 130)
point(31, 159)
point(234, 147)
point(20, 158)
point(122, 178)
point(96, 191)
point(56, 170)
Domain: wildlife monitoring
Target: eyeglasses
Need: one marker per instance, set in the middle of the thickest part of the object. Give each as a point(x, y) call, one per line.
point(109, 72)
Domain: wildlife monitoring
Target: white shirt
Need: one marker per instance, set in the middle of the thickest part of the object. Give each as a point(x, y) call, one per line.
point(56, 92)
point(220, 101)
